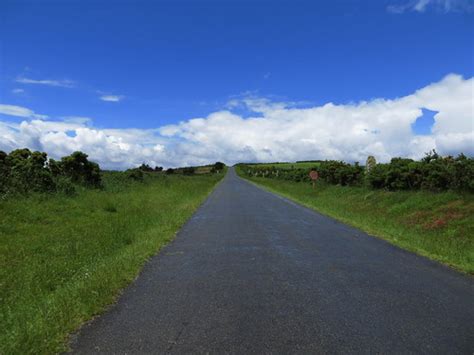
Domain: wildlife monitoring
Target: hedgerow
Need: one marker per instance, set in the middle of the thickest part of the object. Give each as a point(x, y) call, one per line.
point(23, 171)
point(433, 172)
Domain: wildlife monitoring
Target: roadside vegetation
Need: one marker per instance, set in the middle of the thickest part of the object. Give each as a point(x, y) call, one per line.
point(424, 206)
point(286, 165)
point(72, 236)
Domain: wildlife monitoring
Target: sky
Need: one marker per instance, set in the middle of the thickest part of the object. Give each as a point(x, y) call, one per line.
point(189, 82)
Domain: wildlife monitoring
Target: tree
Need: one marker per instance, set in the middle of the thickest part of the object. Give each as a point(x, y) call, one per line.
point(27, 171)
point(145, 167)
point(219, 166)
point(370, 163)
point(190, 170)
point(80, 170)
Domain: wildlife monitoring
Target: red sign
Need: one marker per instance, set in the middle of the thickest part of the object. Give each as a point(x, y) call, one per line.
point(313, 174)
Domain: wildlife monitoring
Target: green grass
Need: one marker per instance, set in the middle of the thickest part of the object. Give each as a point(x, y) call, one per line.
point(302, 165)
point(64, 259)
point(437, 225)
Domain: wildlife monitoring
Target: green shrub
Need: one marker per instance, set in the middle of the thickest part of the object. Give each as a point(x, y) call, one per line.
point(433, 172)
point(25, 171)
point(190, 170)
point(80, 170)
point(135, 174)
point(219, 166)
point(340, 173)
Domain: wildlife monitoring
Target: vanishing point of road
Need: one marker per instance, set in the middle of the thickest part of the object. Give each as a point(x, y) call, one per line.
point(252, 272)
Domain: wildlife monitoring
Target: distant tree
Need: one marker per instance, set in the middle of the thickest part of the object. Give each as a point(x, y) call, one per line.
point(169, 171)
point(219, 166)
point(190, 170)
point(370, 163)
point(80, 170)
point(158, 168)
point(145, 167)
point(135, 174)
point(28, 171)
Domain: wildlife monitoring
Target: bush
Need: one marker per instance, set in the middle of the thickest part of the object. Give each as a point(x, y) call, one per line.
point(219, 166)
point(169, 171)
point(65, 186)
point(433, 172)
point(23, 171)
point(340, 173)
point(135, 174)
point(190, 170)
point(80, 170)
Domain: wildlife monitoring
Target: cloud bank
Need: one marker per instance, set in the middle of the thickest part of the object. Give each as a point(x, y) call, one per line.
point(275, 131)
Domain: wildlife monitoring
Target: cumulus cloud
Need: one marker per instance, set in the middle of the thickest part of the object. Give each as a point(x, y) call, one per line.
point(48, 82)
point(274, 131)
point(112, 98)
point(438, 5)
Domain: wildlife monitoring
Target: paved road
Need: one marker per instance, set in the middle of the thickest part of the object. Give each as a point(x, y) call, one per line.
point(254, 273)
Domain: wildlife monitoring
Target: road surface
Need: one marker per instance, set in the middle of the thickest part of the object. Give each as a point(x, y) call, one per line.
point(252, 272)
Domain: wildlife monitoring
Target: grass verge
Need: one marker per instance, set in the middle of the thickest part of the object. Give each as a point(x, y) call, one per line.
point(439, 226)
point(63, 259)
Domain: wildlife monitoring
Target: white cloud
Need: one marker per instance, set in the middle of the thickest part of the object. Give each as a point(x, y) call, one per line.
point(112, 98)
point(77, 119)
point(275, 131)
point(438, 5)
point(48, 82)
point(18, 91)
point(19, 111)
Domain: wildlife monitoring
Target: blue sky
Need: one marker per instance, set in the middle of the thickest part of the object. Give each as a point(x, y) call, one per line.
point(162, 62)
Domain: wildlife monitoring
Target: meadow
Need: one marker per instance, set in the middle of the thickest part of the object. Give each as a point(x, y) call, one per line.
point(63, 258)
point(438, 225)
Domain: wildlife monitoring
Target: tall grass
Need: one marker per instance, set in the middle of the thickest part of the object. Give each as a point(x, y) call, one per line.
point(437, 225)
point(63, 259)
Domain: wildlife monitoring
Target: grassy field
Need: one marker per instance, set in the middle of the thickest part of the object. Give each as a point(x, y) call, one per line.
point(302, 165)
point(437, 225)
point(63, 259)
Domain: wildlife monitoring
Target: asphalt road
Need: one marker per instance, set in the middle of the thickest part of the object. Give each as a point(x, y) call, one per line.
point(252, 272)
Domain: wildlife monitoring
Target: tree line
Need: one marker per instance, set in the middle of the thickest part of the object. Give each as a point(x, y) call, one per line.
point(23, 171)
point(433, 172)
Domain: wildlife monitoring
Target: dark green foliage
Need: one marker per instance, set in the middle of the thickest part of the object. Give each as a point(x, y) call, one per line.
point(23, 171)
point(219, 166)
point(65, 186)
point(135, 174)
point(148, 169)
point(145, 167)
point(190, 170)
point(4, 172)
point(80, 170)
point(169, 171)
point(340, 173)
point(433, 172)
